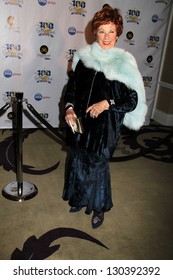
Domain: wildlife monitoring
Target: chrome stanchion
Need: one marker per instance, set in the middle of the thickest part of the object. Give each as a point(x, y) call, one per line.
point(19, 190)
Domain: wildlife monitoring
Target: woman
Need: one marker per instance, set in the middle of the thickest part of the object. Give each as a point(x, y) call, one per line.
point(106, 91)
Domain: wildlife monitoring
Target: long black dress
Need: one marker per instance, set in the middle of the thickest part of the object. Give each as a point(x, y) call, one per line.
point(87, 178)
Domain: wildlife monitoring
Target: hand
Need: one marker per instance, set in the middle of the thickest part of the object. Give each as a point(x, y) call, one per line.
point(70, 116)
point(96, 109)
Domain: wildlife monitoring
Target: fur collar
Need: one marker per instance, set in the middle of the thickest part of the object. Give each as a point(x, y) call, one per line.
point(117, 64)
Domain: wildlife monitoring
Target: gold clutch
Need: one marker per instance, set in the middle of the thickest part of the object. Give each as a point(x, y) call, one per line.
point(77, 127)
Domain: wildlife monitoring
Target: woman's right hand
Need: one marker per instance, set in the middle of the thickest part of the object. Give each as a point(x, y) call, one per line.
point(70, 116)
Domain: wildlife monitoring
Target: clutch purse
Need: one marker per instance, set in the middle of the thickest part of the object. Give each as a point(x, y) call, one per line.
point(77, 127)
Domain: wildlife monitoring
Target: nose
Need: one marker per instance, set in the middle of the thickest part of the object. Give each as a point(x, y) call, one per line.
point(106, 35)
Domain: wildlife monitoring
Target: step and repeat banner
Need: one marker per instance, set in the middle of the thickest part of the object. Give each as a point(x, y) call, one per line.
point(39, 37)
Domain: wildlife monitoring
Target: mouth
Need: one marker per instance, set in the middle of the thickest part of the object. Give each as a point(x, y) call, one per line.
point(106, 43)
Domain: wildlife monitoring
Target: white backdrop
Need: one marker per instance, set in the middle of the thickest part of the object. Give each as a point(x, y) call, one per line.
point(39, 37)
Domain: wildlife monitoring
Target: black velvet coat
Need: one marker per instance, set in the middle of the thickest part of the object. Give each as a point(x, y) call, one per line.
point(87, 86)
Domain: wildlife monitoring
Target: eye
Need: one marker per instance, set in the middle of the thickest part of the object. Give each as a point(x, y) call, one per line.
point(101, 32)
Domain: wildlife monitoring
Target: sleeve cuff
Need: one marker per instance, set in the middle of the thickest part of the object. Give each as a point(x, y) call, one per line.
point(111, 102)
point(68, 105)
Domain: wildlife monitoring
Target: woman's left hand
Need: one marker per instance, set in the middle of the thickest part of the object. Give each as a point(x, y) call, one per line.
point(97, 108)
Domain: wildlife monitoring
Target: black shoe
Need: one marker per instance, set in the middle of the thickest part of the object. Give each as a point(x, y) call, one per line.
point(75, 209)
point(97, 219)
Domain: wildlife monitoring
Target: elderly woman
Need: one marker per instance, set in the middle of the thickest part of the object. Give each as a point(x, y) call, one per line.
point(106, 91)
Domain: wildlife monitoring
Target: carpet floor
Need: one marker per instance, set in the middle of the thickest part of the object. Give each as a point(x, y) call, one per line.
point(138, 227)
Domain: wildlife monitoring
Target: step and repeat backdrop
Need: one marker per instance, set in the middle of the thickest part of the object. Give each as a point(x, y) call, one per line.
point(39, 37)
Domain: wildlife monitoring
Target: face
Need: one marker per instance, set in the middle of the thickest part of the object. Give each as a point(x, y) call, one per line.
point(107, 35)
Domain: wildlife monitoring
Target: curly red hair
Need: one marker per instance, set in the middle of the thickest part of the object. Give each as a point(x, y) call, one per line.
point(105, 16)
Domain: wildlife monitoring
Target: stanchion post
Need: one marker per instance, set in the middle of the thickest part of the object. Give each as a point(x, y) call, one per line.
point(19, 146)
point(19, 190)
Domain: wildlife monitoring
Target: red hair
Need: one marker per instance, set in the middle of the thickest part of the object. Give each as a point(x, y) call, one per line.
point(105, 16)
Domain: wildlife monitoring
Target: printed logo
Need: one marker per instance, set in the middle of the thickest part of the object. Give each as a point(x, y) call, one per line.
point(44, 115)
point(78, 8)
point(44, 52)
point(38, 96)
point(11, 21)
point(12, 50)
point(149, 61)
point(11, 24)
point(42, 2)
point(45, 2)
point(44, 49)
point(8, 95)
point(153, 42)
point(133, 16)
point(43, 76)
point(69, 54)
point(155, 18)
point(149, 58)
point(72, 30)
point(18, 3)
point(8, 73)
point(147, 81)
point(51, 2)
point(129, 38)
point(45, 28)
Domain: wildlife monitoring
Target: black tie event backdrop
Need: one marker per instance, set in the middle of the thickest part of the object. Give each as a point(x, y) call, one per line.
point(39, 38)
